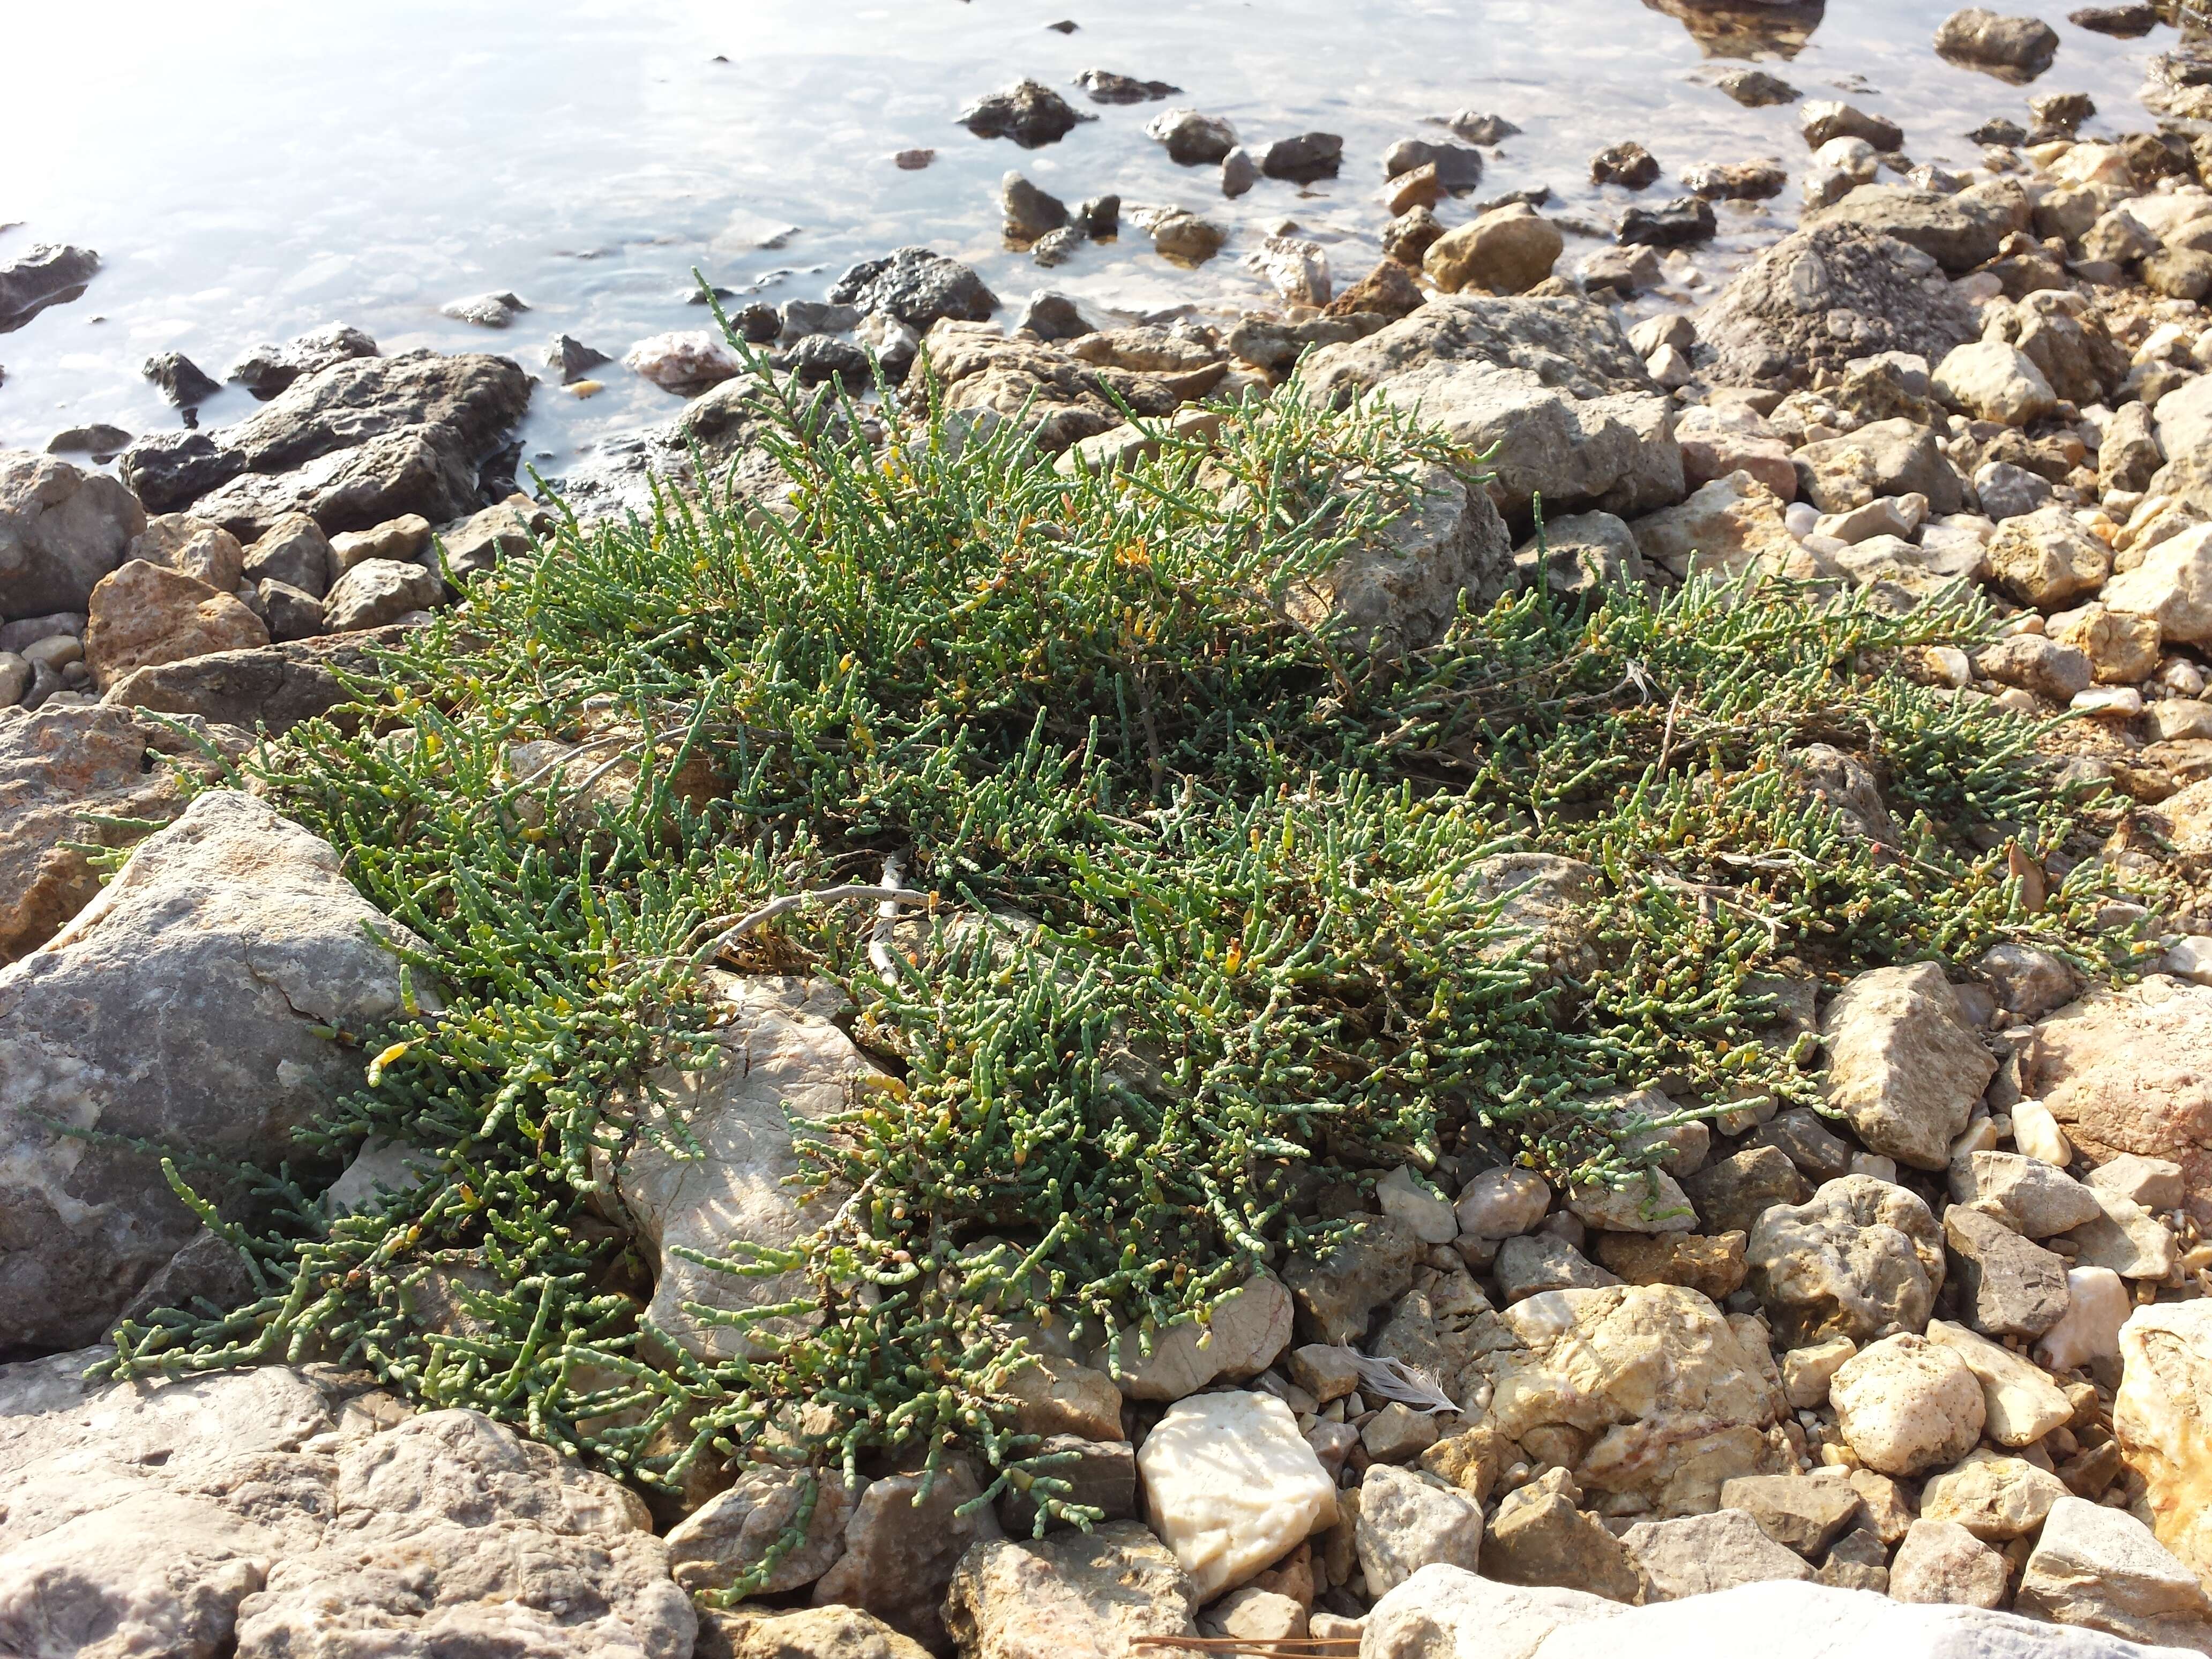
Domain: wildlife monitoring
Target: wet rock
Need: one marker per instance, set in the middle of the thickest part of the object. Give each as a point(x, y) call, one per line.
point(1386, 291)
point(1406, 1523)
point(821, 358)
point(181, 380)
point(1941, 1562)
point(778, 1058)
point(1052, 316)
point(485, 310)
point(61, 531)
point(1906, 1406)
point(2116, 1071)
point(1030, 112)
point(1457, 167)
point(570, 359)
point(1678, 223)
point(1230, 1486)
point(2159, 1416)
point(1670, 1398)
point(1958, 231)
point(180, 1007)
point(1995, 1498)
point(1508, 250)
point(1105, 86)
point(2101, 1568)
point(1337, 1293)
point(1862, 1259)
point(1730, 1194)
point(916, 286)
point(2011, 48)
point(2008, 1287)
point(1295, 266)
point(1628, 165)
point(361, 440)
point(1698, 1554)
point(2127, 22)
point(685, 361)
point(267, 370)
point(1072, 1594)
point(1735, 181)
point(1806, 1513)
point(1028, 212)
point(1903, 1063)
point(1537, 1537)
point(1400, 590)
point(900, 1556)
point(1755, 88)
point(730, 1535)
point(45, 274)
point(1824, 119)
point(1305, 159)
point(1187, 240)
point(1823, 296)
point(1192, 139)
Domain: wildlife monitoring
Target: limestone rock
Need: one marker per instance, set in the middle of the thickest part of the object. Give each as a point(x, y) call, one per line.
point(1698, 1554)
point(177, 541)
point(1537, 1262)
point(2127, 1238)
point(293, 550)
point(1406, 1523)
point(1807, 1371)
point(1958, 232)
point(380, 591)
point(1503, 1203)
point(61, 531)
point(743, 1632)
point(1058, 1397)
point(1338, 1292)
point(2155, 1183)
point(178, 1007)
point(899, 1558)
point(1906, 1406)
point(2119, 1070)
point(1247, 1332)
point(1071, 1595)
point(726, 1537)
point(1994, 1498)
point(1903, 1063)
point(1669, 1398)
point(1939, 1561)
point(2097, 1305)
point(1231, 1486)
point(2163, 1416)
point(56, 763)
point(2058, 673)
point(2008, 1287)
point(1883, 458)
point(2173, 584)
point(1445, 1610)
point(1990, 381)
point(2101, 1568)
point(2020, 1403)
point(1714, 1266)
point(2045, 559)
point(142, 614)
point(1805, 1512)
point(1402, 589)
point(2028, 1195)
point(1725, 528)
point(1537, 1537)
point(778, 1058)
point(1732, 1194)
point(1546, 902)
point(273, 686)
point(1863, 1258)
point(1656, 1204)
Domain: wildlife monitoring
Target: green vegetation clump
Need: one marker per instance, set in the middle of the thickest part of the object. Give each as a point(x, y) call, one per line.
point(1263, 959)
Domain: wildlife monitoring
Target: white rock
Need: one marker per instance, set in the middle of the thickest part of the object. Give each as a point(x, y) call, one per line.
point(2174, 583)
point(1231, 1486)
point(1906, 1404)
point(684, 361)
point(1807, 1371)
point(2036, 1132)
point(1503, 1203)
point(1404, 1196)
point(2097, 1305)
point(1700, 1555)
point(2021, 1404)
point(2163, 1416)
point(1990, 380)
point(1406, 1523)
point(2192, 959)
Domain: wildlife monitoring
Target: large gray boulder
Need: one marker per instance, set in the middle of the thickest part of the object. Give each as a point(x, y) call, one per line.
point(1571, 345)
point(283, 1512)
point(354, 444)
point(179, 1008)
point(61, 531)
point(781, 1064)
point(1819, 298)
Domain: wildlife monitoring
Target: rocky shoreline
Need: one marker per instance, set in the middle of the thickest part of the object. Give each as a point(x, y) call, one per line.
point(1930, 1367)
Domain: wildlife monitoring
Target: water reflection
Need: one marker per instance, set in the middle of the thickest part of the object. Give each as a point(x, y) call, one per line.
point(1750, 29)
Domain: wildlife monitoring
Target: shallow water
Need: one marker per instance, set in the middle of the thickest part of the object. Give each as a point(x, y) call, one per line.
point(248, 169)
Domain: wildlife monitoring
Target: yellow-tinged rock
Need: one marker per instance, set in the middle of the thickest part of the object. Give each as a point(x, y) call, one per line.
point(2162, 1417)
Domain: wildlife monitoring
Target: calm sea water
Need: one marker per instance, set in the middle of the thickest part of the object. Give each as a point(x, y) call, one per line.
point(249, 169)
